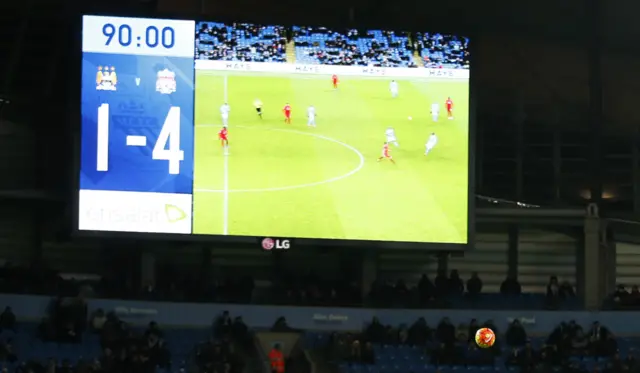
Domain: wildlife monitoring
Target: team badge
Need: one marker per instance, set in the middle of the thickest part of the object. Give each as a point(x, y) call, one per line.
point(166, 82)
point(106, 78)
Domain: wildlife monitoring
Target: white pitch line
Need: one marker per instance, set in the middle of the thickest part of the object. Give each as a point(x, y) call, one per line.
point(226, 190)
point(225, 186)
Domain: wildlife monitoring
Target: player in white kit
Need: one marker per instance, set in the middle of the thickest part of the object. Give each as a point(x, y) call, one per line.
point(311, 116)
point(224, 114)
point(390, 134)
point(393, 88)
point(431, 143)
point(435, 112)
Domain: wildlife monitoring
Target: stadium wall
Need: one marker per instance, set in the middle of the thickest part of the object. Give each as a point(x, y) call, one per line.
point(33, 308)
point(286, 68)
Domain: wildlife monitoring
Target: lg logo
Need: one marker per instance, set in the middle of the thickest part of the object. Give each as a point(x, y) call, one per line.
point(269, 244)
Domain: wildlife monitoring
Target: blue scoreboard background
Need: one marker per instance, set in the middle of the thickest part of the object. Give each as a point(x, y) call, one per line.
point(136, 159)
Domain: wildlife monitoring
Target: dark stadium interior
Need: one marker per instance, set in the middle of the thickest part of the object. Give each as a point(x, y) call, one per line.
point(557, 125)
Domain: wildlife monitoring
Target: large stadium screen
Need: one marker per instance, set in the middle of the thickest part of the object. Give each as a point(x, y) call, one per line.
point(248, 130)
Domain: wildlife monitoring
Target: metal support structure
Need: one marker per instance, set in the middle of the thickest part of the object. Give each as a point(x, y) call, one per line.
point(557, 164)
point(635, 170)
point(512, 250)
point(443, 262)
point(594, 54)
point(580, 265)
point(519, 123)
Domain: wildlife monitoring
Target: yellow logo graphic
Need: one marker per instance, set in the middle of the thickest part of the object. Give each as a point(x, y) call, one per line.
point(174, 213)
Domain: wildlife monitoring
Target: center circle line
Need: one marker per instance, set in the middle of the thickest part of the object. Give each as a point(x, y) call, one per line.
point(290, 187)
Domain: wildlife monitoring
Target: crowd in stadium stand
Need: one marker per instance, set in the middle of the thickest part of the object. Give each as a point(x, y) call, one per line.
point(422, 347)
point(319, 45)
point(69, 340)
point(240, 42)
point(372, 48)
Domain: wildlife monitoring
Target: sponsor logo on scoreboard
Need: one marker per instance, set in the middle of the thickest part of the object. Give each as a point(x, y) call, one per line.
point(118, 211)
point(106, 78)
point(166, 82)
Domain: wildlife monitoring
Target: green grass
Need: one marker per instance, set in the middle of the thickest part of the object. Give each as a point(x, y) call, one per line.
point(419, 199)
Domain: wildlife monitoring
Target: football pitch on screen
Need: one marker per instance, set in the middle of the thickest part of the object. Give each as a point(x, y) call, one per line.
point(291, 180)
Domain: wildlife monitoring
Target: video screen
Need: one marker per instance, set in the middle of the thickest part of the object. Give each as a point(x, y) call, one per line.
point(298, 132)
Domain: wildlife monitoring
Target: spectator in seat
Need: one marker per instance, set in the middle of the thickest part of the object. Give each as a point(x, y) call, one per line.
point(368, 354)
point(620, 295)
point(553, 289)
point(514, 358)
point(528, 355)
point(375, 332)
point(510, 287)
point(339, 349)
point(154, 328)
point(474, 284)
point(107, 361)
point(276, 359)
point(610, 346)
point(157, 353)
point(6, 352)
point(98, 320)
point(516, 335)
point(46, 330)
point(446, 332)
point(462, 333)
point(8, 319)
point(419, 333)
point(355, 354)
point(566, 290)
point(403, 335)
point(240, 332)
point(615, 365)
point(474, 326)
point(456, 286)
point(426, 289)
point(442, 284)
point(597, 337)
point(630, 362)
point(579, 343)
point(222, 325)
point(281, 326)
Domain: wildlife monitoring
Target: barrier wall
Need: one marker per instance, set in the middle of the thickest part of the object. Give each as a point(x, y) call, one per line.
point(288, 68)
point(33, 308)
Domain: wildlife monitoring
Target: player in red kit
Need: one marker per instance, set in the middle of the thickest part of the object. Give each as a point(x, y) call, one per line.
point(449, 105)
point(386, 153)
point(287, 113)
point(223, 135)
point(334, 80)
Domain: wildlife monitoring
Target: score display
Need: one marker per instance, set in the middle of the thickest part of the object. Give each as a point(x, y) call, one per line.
point(260, 131)
point(136, 165)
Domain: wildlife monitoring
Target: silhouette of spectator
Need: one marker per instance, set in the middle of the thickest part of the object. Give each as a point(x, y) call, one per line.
point(516, 335)
point(474, 284)
point(510, 286)
point(375, 332)
point(442, 284)
point(7, 319)
point(426, 290)
point(446, 332)
point(368, 354)
point(419, 333)
point(456, 286)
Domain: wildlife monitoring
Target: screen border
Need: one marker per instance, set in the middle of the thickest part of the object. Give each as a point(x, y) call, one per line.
point(255, 240)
